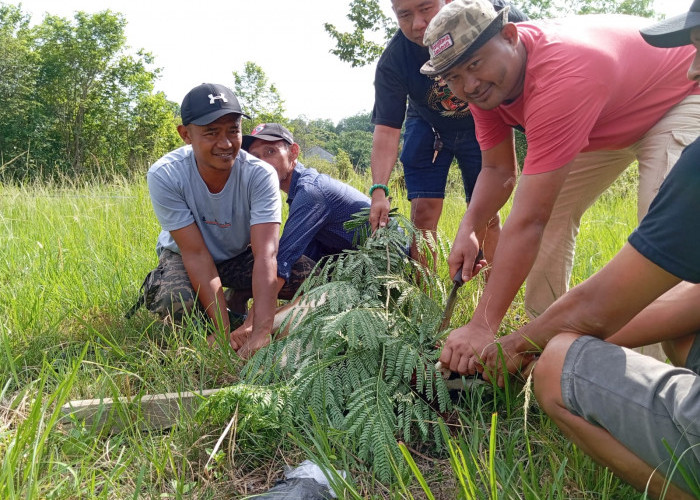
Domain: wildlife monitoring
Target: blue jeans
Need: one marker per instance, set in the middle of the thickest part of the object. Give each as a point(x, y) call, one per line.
point(425, 179)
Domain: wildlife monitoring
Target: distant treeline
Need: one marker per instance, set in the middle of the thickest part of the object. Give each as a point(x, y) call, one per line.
point(74, 103)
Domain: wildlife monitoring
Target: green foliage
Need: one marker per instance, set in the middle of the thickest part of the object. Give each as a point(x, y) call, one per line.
point(520, 147)
point(312, 133)
point(357, 144)
point(77, 104)
point(360, 121)
point(260, 99)
point(343, 164)
point(363, 358)
point(540, 9)
point(357, 47)
point(258, 415)
point(66, 280)
point(17, 80)
point(643, 8)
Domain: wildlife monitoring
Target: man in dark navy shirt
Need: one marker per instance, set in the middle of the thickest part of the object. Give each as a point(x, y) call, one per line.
point(439, 126)
point(318, 204)
point(318, 207)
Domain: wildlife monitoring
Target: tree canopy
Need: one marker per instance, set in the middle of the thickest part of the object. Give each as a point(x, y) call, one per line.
point(358, 48)
point(260, 99)
point(74, 100)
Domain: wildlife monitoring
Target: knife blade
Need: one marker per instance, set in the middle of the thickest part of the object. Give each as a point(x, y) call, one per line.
point(452, 298)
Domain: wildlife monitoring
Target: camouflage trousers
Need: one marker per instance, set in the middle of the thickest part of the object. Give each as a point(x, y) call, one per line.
point(167, 291)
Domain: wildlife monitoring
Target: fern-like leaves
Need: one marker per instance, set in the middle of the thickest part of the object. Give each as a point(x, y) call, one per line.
point(362, 358)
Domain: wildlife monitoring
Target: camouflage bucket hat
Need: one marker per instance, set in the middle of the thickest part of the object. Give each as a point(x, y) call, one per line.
point(458, 30)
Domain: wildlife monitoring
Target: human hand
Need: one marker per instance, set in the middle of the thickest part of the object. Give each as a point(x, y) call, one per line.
point(463, 348)
point(252, 344)
point(509, 354)
point(465, 250)
point(379, 210)
point(240, 335)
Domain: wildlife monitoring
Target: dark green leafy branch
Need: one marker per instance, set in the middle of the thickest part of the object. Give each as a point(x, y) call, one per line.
point(363, 357)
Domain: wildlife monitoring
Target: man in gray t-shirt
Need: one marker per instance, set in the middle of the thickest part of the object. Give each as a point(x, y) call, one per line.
point(220, 211)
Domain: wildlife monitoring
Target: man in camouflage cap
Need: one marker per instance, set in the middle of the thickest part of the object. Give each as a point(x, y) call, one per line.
point(437, 127)
point(631, 413)
point(464, 31)
point(588, 108)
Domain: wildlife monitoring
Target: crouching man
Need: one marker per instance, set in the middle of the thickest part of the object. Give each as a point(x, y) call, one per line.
point(220, 213)
point(319, 206)
point(635, 415)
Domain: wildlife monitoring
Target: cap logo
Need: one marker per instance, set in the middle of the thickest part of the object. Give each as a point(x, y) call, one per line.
point(213, 98)
point(442, 43)
point(258, 129)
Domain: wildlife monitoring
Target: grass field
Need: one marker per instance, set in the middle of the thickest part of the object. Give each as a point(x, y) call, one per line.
point(71, 263)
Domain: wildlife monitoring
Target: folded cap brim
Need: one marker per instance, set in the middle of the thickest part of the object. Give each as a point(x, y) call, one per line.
point(248, 139)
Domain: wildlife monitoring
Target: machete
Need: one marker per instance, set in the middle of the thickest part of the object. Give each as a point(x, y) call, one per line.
point(452, 298)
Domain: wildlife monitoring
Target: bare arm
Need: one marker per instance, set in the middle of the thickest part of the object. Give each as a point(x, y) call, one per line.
point(519, 244)
point(675, 314)
point(264, 240)
point(385, 151)
point(516, 252)
point(607, 303)
point(266, 284)
point(493, 188)
point(203, 275)
point(601, 305)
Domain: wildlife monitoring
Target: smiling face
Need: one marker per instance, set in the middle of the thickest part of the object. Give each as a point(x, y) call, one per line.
point(494, 74)
point(280, 154)
point(415, 15)
point(215, 145)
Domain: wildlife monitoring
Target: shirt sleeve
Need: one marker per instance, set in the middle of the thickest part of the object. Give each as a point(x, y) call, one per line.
point(491, 130)
point(307, 215)
point(669, 235)
point(266, 203)
point(168, 201)
point(390, 94)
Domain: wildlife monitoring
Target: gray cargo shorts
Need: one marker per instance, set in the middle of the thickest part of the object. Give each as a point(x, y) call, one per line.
point(167, 291)
point(642, 402)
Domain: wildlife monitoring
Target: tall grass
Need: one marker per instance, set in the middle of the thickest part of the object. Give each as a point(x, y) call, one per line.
point(72, 260)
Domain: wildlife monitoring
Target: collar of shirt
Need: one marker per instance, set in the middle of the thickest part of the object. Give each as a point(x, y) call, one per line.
point(298, 170)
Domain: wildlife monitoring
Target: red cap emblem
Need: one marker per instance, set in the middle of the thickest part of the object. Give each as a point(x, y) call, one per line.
point(258, 129)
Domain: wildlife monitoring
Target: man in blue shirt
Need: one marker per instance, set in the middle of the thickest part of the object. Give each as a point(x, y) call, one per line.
point(318, 207)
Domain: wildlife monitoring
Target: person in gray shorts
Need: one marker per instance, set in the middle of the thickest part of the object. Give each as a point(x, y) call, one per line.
point(631, 413)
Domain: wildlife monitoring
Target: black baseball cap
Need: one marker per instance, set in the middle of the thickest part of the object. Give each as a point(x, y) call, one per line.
point(207, 103)
point(268, 132)
point(674, 31)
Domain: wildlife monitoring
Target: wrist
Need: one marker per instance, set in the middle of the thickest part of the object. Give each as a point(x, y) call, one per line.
point(376, 188)
point(484, 325)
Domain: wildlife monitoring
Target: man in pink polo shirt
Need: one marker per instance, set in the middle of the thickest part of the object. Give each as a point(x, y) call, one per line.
point(592, 97)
